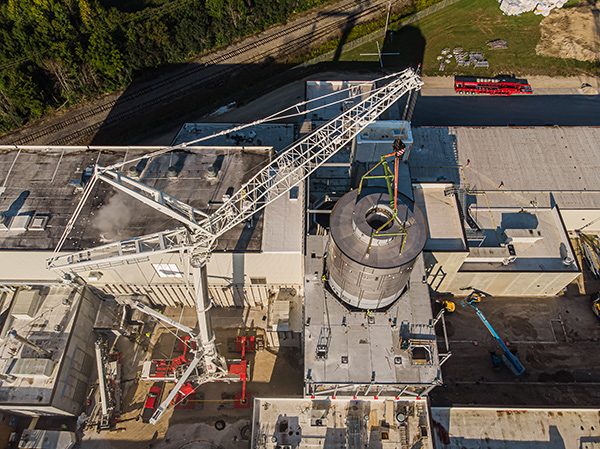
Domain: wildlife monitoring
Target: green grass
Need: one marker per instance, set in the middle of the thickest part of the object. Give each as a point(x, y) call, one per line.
point(470, 24)
point(356, 32)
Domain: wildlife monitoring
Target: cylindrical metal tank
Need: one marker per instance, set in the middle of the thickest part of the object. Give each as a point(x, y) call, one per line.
point(366, 271)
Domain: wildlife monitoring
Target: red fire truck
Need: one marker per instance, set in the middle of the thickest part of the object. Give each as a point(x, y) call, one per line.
point(500, 85)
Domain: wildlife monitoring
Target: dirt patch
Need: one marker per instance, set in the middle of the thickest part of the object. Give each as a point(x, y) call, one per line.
point(559, 376)
point(571, 34)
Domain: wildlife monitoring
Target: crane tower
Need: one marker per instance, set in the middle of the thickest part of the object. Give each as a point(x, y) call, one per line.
point(197, 236)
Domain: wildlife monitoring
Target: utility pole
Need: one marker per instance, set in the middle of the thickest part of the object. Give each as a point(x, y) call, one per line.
point(387, 19)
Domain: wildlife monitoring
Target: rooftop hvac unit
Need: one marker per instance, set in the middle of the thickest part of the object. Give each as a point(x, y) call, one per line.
point(26, 304)
point(28, 367)
point(525, 236)
point(19, 222)
point(502, 254)
point(39, 222)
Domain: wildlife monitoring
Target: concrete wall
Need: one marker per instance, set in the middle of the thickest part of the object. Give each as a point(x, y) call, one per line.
point(508, 283)
point(441, 268)
point(240, 279)
point(34, 410)
point(235, 279)
point(443, 276)
point(514, 283)
point(78, 363)
point(277, 339)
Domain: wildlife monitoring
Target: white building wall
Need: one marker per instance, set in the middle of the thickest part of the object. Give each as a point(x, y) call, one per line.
point(510, 283)
point(235, 279)
point(77, 366)
point(443, 276)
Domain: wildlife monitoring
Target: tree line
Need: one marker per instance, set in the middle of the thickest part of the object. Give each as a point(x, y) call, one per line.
point(55, 53)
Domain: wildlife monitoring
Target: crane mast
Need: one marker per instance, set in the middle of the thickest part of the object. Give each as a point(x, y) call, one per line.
point(200, 232)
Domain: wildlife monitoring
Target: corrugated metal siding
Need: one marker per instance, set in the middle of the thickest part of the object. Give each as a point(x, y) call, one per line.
point(181, 294)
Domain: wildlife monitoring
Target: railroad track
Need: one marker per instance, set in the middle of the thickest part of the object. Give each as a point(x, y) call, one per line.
point(167, 85)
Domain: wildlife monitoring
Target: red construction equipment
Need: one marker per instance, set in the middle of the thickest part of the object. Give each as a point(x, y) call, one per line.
point(166, 369)
point(240, 367)
point(185, 390)
point(501, 86)
point(152, 401)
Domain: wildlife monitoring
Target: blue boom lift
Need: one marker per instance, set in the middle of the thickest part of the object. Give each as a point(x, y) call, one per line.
point(509, 359)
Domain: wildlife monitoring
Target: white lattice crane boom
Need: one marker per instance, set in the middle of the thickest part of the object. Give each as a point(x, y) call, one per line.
point(198, 238)
point(289, 168)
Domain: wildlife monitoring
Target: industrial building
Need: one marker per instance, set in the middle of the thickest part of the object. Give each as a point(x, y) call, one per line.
point(47, 349)
point(342, 265)
point(548, 428)
point(38, 203)
point(304, 423)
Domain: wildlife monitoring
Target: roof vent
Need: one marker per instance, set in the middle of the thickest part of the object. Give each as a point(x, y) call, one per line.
point(133, 172)
point(39, 222)
point(568, 261)
point(211, 173)
point(172, 172)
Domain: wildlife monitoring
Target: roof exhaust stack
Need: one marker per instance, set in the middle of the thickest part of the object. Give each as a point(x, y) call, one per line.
point(41, 351)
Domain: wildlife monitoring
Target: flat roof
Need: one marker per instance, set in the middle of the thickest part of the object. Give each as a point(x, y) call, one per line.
point(47, 439)
point(433, 156)
point(515, 166)
point(322, 423)
point(503, 428)
point(316, 89)
point(377, 140)
point(40, 183)
point(48, 327)
point(539, 239)
point(277, 135)
point(283, 225)
point(444, 227)
point(39, 186)
point(369, 347)
point(386, 131)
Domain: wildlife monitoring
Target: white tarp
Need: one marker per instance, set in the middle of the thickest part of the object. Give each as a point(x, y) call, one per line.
point(516, 7)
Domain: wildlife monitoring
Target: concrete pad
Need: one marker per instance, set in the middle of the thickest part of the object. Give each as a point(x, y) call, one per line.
point(474, 428)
